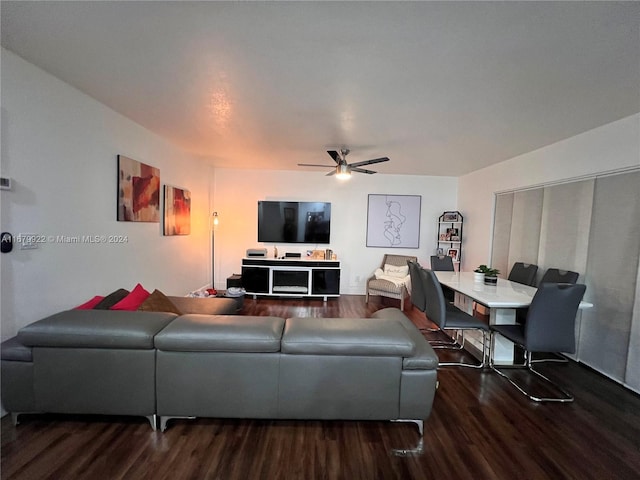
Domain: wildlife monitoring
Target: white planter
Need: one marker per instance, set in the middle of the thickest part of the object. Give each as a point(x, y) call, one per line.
point(478, 277)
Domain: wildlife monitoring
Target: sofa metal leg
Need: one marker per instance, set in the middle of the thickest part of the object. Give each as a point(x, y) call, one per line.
point(419, 423)
point(164, 420)
point(410, 452)
point(153, 421)
point(418, 449)
point(14, 418)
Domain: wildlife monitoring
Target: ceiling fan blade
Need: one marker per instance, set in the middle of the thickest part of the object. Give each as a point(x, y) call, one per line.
point(369, 162)
point(361, 170)
point(332, 172)
point(335, 155)
point(314, 165)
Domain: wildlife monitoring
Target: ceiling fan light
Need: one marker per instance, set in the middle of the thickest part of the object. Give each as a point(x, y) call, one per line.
point(343, 172)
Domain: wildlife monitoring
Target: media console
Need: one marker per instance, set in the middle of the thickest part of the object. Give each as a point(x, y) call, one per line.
point(291, 277)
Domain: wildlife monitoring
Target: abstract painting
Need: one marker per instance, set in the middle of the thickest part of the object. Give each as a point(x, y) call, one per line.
point(393, 221)
point(177, 211)
point(138, 191)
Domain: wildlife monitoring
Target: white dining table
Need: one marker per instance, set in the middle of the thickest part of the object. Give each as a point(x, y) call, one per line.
point(501, 299)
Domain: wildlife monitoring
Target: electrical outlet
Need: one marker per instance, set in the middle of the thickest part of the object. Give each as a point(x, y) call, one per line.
point(5, 183)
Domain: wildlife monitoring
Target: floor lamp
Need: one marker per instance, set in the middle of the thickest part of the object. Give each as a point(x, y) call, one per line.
point(214, 227)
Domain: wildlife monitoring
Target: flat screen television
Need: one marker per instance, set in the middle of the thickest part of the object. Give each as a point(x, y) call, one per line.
point(294, 222)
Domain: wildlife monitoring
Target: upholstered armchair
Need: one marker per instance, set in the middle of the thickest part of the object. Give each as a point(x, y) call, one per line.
point(390, 280)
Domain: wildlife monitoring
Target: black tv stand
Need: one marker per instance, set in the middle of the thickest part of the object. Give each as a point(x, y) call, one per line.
point(291, 277)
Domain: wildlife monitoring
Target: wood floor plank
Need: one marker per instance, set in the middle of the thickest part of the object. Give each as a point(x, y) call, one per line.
point(480, 428)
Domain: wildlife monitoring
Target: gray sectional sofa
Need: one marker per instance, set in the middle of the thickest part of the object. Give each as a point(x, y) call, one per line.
point(164, 366)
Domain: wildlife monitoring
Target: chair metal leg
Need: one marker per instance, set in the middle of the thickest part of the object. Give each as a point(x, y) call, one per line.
point(460, 346)
point(557, 358)
point(566, 396)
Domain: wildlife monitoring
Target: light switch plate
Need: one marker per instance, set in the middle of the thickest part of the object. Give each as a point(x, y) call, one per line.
point(28, 242)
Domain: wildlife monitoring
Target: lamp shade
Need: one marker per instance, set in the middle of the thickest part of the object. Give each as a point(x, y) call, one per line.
point(343, 172)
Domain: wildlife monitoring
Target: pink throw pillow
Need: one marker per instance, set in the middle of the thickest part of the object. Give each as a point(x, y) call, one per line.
point(133, 300)
point(88, 305)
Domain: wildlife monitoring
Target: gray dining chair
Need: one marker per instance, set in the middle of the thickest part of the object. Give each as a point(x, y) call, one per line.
point(442, 263)
point(524, 273)
point(555, 275)
point(418, 298)
point(418, 295)
point(449, 318)
point(550, 327)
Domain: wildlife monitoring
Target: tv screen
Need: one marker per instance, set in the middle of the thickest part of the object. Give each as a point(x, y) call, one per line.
point(294, 222)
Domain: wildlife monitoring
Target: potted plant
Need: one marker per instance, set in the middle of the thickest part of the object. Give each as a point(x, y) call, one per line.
point(478, 273)
point(491, 276)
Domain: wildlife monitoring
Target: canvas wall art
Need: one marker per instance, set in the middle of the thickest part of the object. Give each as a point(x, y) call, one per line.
point(138, 191)
point(177, 211)
point(393, 221)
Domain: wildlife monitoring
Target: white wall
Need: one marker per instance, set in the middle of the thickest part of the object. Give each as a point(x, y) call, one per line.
point(59, 147)
point(608, 148)
point(236, 200)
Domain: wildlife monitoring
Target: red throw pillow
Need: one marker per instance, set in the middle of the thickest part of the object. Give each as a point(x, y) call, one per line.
point(88, 305)
point(133, 300)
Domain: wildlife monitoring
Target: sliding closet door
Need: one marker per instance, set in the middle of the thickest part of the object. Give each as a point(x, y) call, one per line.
point(564, 230)
point(612, 273)
point(633, 360)
point(525, 227)
point(502, 233)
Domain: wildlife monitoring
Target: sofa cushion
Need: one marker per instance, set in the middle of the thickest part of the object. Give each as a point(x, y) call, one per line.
point(221, 333)
point(346, 336)
point(205, 306)
point(96, 329)
point(158, 302)
point(15, 351)
point(90, 304)
point(396, 271)
point(424, 358)
point(110, 300)
point(132, 301)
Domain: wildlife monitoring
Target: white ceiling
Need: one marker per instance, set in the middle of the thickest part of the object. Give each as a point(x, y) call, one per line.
point(442, 88)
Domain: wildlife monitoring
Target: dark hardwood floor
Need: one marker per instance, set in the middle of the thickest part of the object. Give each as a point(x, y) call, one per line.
point(480, 428)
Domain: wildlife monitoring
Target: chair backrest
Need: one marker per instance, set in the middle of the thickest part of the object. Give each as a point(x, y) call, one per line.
point(554, 275)
point(441, 263)
point(524, 273)
point(418, 298)
point(397, 260)
point(551, 318)
point(435, 305)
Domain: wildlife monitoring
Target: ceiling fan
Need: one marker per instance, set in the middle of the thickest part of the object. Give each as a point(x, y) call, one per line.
point(343, 169)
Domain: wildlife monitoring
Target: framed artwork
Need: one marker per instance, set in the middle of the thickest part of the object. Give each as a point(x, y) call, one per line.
point(451, 217)
point(393, 221)
point(138, 191)
point(453, 253)
point(177, 211)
